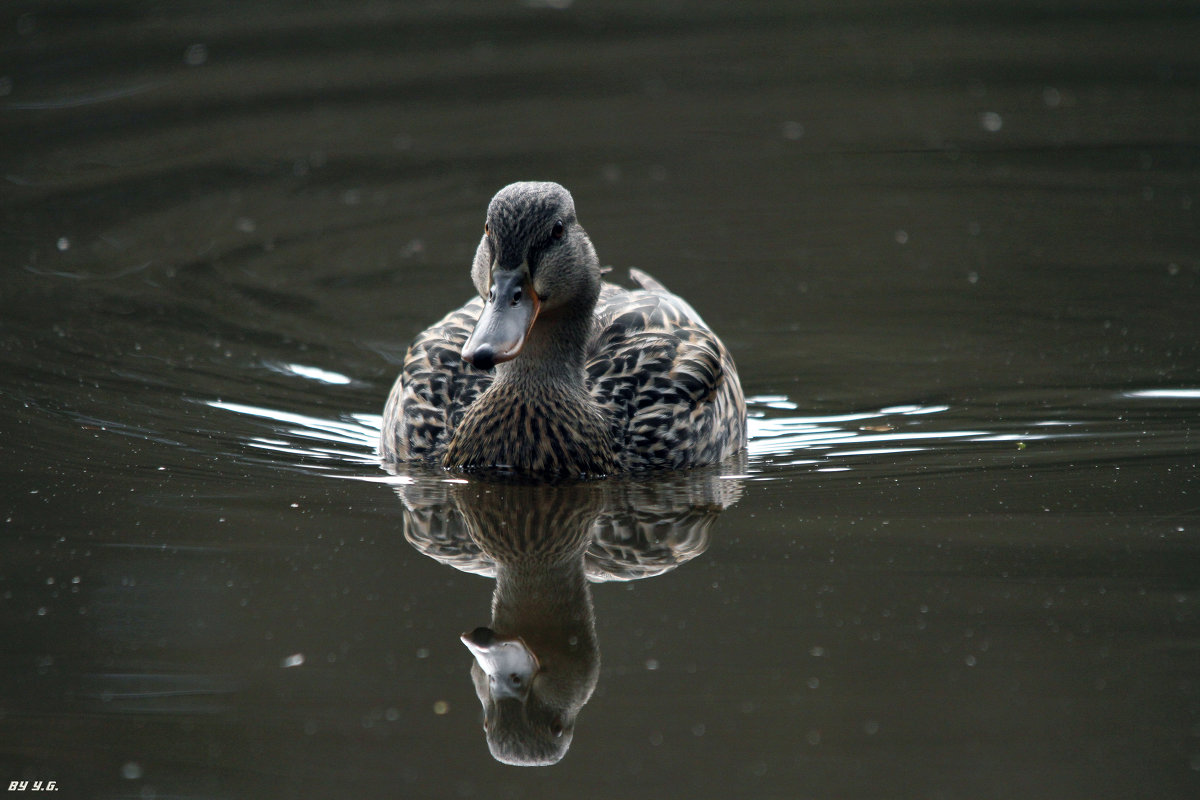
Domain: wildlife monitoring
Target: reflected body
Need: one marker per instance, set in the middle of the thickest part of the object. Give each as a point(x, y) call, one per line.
point(538, 661)
point(553, 372)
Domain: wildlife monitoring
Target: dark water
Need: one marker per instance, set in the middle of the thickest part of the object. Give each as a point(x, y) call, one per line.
point(953, 247)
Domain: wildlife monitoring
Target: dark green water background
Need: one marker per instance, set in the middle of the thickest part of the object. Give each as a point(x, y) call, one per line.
point(952, 245)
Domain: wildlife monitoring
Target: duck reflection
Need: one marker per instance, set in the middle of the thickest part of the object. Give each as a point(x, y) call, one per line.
point(536, 664)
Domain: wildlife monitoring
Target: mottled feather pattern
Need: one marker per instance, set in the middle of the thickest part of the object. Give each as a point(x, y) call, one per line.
point(640, 528)
point(668, 384)
point(663, 394)
point(529, 524)
point(434, 390)
point(533, 432)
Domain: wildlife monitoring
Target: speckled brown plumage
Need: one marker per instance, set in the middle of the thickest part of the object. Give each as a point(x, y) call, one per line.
point(607, 379)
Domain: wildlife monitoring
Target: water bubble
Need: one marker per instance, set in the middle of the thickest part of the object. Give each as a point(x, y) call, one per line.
point(6, 86)
point(294, 660)
point(652, 664)
point(793, 131)
point(441, 708)
point(1051, 97)
point(991, 121)
point(245, 225)
point(195, 55)
point(871, 727)
point(901, 237)
point(63, 244)
point(131, 771)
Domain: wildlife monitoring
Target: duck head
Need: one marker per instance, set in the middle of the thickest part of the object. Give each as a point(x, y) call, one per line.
point(530, 703)
point(535, 267)
point(528, 710)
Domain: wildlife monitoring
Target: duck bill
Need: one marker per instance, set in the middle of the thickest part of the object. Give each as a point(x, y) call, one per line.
point(508, 662)
point(506, 320)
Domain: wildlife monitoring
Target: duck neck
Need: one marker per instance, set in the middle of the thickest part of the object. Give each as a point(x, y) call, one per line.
point(549, 605)
point(538, 416)
point(552, 357)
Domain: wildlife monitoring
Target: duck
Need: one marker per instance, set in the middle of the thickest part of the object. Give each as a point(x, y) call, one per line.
point(536, 663)
point(553, 372)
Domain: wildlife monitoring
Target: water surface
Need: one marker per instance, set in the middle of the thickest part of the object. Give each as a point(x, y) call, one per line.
point(953, 248)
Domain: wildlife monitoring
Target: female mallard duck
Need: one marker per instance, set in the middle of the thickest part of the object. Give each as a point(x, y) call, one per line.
point(552, 372)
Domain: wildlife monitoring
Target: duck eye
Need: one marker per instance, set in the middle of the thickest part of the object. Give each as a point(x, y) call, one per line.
point(557, 233)
point(487, 230)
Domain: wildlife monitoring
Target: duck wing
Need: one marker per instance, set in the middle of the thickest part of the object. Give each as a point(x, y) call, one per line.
point(667, 383)
point(434, 390)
